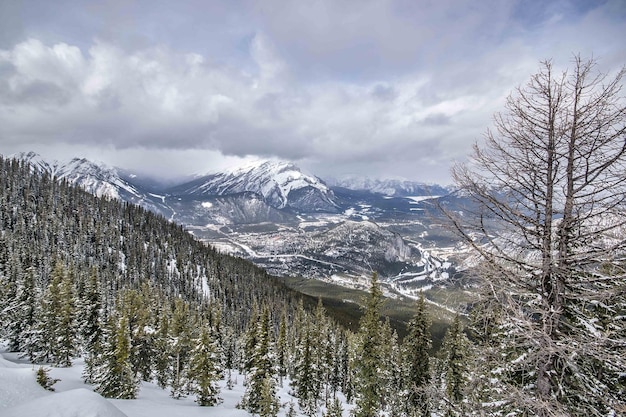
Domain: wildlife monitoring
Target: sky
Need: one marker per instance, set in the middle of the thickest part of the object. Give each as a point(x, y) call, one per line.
point(376, 88)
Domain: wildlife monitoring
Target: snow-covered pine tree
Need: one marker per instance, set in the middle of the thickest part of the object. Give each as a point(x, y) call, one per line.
point(162, 345)
point(180, 335)
point(455, 361)
point(42, 344)
point(114, 376)
point(204, 370)
point(66, 328)
point(21, 296)
point(417, 346)
point(368, 384)
point(268, 402)
point(305, 372)
point(261, 380)
point(282, 352)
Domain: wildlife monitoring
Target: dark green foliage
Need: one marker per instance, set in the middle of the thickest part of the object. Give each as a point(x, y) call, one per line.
point(114, 377)
point(204, 370)
point(456, 359)
point(260, 392)
point(44, 379)
point(369, 387)
point(416, 347)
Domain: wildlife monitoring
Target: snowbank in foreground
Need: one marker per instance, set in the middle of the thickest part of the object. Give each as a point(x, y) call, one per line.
point(75, 403)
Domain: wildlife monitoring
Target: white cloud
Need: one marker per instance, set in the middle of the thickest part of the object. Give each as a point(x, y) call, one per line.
point(380, 87)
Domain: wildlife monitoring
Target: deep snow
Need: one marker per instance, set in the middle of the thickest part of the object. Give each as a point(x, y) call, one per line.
point(21, 396)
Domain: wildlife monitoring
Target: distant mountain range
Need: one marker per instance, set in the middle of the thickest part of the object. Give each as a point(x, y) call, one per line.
point(288, 221)
point(279, 184)
point(390, 187)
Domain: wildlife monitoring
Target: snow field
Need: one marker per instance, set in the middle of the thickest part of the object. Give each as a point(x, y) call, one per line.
point(22, 396)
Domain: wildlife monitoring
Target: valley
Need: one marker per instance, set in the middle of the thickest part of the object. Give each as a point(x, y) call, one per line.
point(295, 225)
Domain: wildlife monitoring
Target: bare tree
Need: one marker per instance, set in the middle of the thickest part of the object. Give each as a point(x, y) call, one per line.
point(548, 221)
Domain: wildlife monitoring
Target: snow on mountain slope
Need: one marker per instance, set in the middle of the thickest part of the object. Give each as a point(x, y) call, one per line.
point(390, 187)
point(98, 179)
point(281, 184)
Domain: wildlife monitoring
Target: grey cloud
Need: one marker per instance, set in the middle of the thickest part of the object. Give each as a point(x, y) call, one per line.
point(394, 88)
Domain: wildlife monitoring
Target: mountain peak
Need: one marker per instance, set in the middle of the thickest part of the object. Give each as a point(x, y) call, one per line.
point(281, 184)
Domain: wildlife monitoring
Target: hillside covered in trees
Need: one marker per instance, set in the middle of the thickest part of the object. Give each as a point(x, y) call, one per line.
point(140, 299)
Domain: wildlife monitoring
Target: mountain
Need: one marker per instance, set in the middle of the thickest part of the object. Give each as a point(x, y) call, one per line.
point(98, 179)
point(390, 187)
point(289, 222)
point(281, 184)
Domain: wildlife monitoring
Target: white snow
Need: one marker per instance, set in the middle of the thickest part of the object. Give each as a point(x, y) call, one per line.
point(21, 396)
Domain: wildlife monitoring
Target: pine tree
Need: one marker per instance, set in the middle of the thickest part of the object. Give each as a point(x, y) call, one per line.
point(261, 383)
point(204, 370)
point(66, 329)
point(114, 377)
point(281, 347)
point(162, 347)
point(417, 345)
point(304, 380)
point(455, 350)
point(180, 333)
point(368, 384)
point(43, 338)
point(44, 379)
point(334, 409)
point(268, 401)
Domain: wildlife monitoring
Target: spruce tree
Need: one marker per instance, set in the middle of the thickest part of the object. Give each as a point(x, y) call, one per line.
point(261, 383)
point(305, 372)
point(455, 350)
point(114, 377)
point(368, 385)
point(180, 334)
point(204, 370)
point(66, 329)
point(282, 353)
point(417, 345)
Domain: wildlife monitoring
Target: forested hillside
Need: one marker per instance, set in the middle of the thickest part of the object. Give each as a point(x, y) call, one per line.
point(140, 299)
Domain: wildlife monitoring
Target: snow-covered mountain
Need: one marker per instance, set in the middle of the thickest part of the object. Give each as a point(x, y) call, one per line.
point(287, 221)
point(390, 187)
point(96, 178)
point(281, 184)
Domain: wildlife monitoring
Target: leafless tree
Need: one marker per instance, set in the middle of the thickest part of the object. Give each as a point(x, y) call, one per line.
point(548, 221)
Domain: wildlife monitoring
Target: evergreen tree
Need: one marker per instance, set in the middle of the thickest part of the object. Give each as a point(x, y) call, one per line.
point(305, 373)
point(44, 379)
point(162, 348)
point(268, 401)
point(180, 333)
point(261, 383)
point(66, 327)
point(282, 352)
point(455, 350)
point(334, 409)
point(417, 345)
point(368, 384)
point(114, 377)
point(204, 370)
point(43, 338)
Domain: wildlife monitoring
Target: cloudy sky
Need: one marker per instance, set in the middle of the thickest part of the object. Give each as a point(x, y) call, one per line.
point(381, 88)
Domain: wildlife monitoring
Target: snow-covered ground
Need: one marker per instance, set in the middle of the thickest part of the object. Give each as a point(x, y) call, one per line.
point(22, 396)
